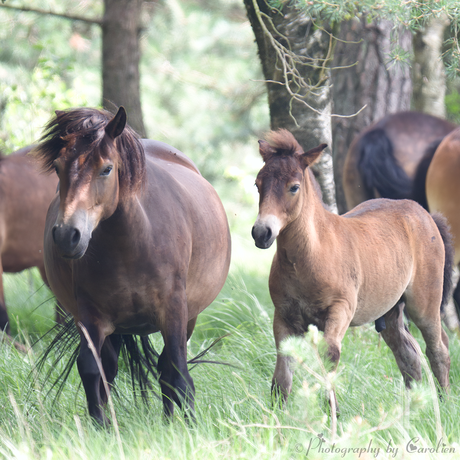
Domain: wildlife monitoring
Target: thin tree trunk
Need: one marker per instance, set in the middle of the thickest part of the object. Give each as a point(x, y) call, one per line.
point(120, 59)
point(428, 73)
point(308, 114)
point(367, 81)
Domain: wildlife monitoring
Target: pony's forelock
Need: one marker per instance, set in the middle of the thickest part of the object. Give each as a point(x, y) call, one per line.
point(67, 126)
point(280, 143)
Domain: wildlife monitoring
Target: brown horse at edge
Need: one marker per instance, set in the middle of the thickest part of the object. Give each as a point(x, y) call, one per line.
point(437, 188)
point(382, 159)
point(340, 271)
point(25, 195)
point(136, 242)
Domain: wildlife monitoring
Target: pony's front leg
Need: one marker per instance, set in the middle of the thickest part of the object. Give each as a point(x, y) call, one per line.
point(338, 320)
point(175, 381)
point(282, 377)
point(89, 372)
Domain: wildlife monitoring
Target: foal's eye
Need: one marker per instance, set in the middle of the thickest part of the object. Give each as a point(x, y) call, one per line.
point(57, 170)
point(107, 171)
point(294, 188)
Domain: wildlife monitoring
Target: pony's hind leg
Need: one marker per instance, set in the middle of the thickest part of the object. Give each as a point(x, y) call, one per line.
point(396, 337)
point(175, 380)
point(437, 346)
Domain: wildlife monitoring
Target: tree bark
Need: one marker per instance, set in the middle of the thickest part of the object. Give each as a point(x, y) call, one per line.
point(428, 73)
point(368, 81)
point(308, 114)
point(120, 59)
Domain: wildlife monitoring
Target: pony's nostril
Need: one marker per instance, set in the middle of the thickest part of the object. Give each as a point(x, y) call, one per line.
point(253, 234)
point(53, 233)
point(75, 237)
point(268, 235)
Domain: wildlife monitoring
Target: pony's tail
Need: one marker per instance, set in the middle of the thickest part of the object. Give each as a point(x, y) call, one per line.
point(446, 236)
point(142, 359)
point(419, 182)
point(380, 169)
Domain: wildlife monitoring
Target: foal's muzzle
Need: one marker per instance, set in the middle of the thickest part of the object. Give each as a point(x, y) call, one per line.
point(265, 231)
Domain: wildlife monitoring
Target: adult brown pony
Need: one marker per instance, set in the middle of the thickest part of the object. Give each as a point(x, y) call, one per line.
point(437, 188)
point(136, 242)
point(382, 159)
point(340, 271)
point(25, 195)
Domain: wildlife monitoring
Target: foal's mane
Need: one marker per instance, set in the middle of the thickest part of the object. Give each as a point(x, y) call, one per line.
point(280, 143)
point(90, 123)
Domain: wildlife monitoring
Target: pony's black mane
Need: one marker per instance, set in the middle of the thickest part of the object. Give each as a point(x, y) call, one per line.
point(89, 123)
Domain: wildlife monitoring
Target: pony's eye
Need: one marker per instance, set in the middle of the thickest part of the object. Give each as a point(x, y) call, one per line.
point(107, 171)
point(57, 170)
point(295, 188)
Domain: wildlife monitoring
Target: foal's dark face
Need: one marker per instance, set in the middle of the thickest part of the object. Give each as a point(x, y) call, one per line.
point(88, 193)
point(280, 184)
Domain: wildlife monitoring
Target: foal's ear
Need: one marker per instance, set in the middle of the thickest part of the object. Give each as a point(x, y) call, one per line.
point(310, 157)
point(117, 124)
point(266, 150)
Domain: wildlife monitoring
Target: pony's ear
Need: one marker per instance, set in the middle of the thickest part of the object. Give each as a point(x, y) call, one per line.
point(266, 150)
point(117, 124)
point(310, 157)
point(59, 113)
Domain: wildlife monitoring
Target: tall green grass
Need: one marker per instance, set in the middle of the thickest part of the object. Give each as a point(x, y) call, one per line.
point(235, 417)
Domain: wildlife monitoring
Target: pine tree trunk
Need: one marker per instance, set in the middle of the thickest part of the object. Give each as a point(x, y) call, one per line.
point(368, 81)
point(313, 47)
point(120, 59)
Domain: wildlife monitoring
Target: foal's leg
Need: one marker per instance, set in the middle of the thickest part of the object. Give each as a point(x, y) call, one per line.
point(338, 320)
point(437, 342)
point(395, 335)
point(89, 372)
point(109, 357)
point(282, 377)
point(175, 380)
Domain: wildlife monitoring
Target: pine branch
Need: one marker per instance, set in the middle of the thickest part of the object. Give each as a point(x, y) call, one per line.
point(69, 17)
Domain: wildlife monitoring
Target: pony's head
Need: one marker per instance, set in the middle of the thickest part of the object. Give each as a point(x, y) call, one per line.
point(280, 184)
point(99, 161)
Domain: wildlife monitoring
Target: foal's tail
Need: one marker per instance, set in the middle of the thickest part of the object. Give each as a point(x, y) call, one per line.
point(379, 167)
point(418, 184)
point(446, 236)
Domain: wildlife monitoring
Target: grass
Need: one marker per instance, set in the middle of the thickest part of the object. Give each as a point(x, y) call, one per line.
point(235, 418)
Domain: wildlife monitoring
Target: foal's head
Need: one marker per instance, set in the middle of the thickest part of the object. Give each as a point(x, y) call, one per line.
point(281, 184)
point(99, 161)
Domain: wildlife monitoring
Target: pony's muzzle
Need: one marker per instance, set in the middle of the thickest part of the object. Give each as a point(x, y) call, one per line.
point(265, 231)
point(68, 241)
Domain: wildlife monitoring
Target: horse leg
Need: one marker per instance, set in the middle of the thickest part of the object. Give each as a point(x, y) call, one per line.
point(338, 320)
point(89, 372)
point(175, 381)
point(282, 377)
point(395, 336)
point(190, 327)
point(60, 313)
point(4, 321)
point(437, 345)
point(109, 357)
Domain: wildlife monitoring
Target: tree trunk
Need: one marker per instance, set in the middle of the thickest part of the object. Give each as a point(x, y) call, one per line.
point(369, 81)
point(307, 114)
point(120, 59)
point(428, 73)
